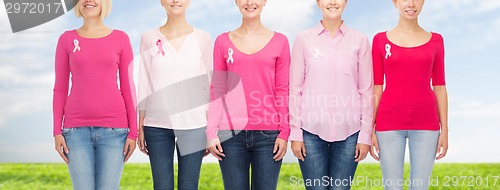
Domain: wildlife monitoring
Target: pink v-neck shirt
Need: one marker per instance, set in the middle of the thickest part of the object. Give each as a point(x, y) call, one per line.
point(250, 92)
point(96, 66)
point(408, 102)
point(331, 85)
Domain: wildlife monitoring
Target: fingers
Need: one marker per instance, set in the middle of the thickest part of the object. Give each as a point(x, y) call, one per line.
point(128, 150)
point(279, 149)
point(142, 147)
point(356, 152)
point(361, 152)
point(442, 150)
point(206, 153)
point(298, 153)
point(61, 148)
point(374, 151)
point(216, 151)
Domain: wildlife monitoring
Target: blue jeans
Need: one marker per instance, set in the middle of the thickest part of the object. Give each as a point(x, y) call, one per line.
point(328, 165)
point(423, 147)
point(190, 145)
point(249, 149)
point(95, 156)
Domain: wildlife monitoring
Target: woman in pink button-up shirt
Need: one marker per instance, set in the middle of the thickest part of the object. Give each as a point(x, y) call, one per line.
point(331, 87)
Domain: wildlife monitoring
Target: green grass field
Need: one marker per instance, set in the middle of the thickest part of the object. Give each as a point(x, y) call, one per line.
point(138, 176)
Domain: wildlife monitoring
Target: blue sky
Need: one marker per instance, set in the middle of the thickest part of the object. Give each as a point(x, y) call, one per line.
point(470, 29)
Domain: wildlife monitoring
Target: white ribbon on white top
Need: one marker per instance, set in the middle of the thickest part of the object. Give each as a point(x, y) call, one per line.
point(387, 51)
point(230, 56)
point(317, 53)
point(77, 45)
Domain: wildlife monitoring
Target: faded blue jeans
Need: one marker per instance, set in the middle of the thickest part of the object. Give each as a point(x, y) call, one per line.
point(423, 147)
point(95, 156)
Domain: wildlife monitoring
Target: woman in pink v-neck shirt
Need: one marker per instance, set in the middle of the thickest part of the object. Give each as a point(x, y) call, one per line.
point(413, 106)
point(95, 126)
point(248, 113)
point(173, 97)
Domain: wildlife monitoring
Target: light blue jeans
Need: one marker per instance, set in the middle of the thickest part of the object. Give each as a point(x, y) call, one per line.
point(423, 147)
point(95, 156)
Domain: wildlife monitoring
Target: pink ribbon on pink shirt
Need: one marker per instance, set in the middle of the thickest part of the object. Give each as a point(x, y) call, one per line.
point(159, 44)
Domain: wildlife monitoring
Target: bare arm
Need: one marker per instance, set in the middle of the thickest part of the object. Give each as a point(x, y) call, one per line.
point(442, 103)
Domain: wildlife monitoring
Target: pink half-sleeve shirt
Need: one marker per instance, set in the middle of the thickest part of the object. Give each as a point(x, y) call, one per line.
point(331, 85)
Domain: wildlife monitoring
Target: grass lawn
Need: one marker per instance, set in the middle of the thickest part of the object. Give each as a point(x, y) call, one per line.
point(138, 176)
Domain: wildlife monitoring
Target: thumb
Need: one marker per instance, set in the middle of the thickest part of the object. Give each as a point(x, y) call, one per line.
point(276, 146)
point(66, 150)
point(219, 147)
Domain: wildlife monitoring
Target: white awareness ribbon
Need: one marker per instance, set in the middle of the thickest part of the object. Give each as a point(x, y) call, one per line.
point(317, 53)
point(387, 51)
point(230, 56)
point(77, 47)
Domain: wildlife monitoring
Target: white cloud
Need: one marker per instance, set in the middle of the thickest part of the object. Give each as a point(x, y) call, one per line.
point(289, 16)
point(476, 109)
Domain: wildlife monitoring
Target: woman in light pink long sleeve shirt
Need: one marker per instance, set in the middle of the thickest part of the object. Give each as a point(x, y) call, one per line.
point(331, 88)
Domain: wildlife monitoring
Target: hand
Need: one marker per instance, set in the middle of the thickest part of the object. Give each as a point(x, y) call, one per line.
point(215, 148)
point(442, 145)
point(279, 149)
point(60, 143)
point(374, 148)
point(361, 152)
point(128, 149)
point(141, 142)
point(299, 149)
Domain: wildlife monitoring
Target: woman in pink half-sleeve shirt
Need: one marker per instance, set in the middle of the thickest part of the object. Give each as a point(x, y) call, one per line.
point(173, 97)
point(248, 113)
point(95, 125)
point(408, 109)
point(331, 87)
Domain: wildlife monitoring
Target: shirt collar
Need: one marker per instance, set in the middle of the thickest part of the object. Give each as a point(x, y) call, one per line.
point(319, 29)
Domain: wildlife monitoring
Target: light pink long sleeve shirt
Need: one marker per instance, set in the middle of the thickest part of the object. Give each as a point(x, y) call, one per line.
point(331, 85)
point(95, 65)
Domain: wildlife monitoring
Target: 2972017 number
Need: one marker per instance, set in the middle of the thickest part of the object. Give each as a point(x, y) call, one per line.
point(33, 8)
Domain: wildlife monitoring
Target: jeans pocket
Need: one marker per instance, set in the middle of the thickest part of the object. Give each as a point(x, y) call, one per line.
point(67, 131)
point(120, 130)
point(270, 133)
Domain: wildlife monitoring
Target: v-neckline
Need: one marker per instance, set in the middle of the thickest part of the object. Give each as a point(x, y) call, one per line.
point(262, 49)
point(169, 44)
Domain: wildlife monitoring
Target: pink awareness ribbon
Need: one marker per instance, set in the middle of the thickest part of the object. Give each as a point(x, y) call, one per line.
point(159, 44)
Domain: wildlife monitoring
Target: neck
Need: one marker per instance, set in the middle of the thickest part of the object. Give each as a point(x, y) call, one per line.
point(177, 23)
point(332, 25)
point(92, 24)
point(253, 25)
point(408, 25)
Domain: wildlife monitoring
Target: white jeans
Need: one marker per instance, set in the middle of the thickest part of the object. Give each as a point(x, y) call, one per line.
point(423, 147)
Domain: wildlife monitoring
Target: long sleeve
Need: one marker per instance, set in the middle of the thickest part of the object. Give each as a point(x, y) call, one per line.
point(61, 84)
point(218, 89)
point(145, 86)
point(365, 87)
point(207, 58)
point(297, 76)
point(282, 89)
point(127, 87)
